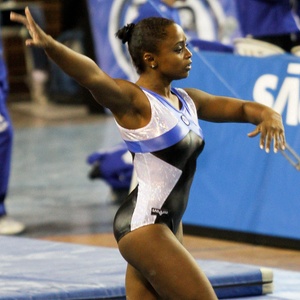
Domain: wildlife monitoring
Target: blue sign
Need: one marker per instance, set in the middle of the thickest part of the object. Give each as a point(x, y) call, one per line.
point(237, 185)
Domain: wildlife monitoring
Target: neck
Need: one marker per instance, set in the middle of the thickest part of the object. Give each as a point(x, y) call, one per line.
point(159, 88)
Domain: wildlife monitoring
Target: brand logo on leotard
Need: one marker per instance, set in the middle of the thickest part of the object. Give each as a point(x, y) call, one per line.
point(185, 120)
point(159, 212)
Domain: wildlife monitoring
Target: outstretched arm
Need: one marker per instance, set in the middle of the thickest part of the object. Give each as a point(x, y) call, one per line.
point(107, 91)
point(225, 109)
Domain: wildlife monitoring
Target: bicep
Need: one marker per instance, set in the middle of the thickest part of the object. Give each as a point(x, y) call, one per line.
point(217, 108)
point(126, 101)
point(110, 93)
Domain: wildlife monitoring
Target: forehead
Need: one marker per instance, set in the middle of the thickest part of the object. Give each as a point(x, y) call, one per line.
point(175, 34)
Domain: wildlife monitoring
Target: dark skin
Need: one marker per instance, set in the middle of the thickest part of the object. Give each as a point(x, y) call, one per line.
point(130, 105)
point(153, 252)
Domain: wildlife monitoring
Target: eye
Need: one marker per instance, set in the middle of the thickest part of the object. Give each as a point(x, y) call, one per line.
point(178, 49)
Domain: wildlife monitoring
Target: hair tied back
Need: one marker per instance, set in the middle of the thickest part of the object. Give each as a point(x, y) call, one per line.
point(125, 33)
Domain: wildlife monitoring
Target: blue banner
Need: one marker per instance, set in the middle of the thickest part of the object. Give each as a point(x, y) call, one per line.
point(198, 18)
point(106, 17)
point(237, 185)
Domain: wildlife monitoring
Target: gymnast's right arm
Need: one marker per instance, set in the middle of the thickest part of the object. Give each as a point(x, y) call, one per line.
point(113, 94)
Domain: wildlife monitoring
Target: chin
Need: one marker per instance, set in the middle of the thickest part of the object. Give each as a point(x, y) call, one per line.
point(185, 75)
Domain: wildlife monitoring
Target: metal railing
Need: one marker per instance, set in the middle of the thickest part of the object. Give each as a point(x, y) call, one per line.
point(292, 157)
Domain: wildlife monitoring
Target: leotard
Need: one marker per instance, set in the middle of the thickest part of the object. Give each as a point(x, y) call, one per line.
point(164, 157)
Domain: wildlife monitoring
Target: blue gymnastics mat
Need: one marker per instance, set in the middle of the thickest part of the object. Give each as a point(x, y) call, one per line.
point(40, 270)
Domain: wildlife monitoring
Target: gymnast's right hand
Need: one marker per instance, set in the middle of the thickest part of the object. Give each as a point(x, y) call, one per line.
point(38, 37)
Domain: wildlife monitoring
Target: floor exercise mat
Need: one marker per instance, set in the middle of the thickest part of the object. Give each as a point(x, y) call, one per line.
point(236, 280)
point(43, 270)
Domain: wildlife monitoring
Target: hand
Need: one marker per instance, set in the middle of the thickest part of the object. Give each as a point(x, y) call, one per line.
point(270, 129)
point(38, 37)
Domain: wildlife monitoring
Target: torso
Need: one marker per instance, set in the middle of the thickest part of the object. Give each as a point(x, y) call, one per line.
point(165, 153)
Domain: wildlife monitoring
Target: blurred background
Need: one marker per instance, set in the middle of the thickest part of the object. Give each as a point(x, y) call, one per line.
point(61, 135)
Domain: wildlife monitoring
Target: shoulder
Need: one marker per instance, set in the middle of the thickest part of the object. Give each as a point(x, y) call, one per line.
point(183, 93)
point(199, 97)
point(136, 111)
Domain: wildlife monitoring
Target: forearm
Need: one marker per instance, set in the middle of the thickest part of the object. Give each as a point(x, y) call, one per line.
point(268, 122)
point(215, 108)
point(76, 65)
point(227, 109)
point(256, 113)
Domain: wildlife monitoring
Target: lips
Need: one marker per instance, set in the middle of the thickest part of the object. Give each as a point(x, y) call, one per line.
point(189, 66)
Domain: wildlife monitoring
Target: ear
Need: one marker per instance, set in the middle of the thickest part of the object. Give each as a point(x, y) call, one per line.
point(150, 60)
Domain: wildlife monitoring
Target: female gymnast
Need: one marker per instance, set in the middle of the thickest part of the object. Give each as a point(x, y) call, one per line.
point(160, 127)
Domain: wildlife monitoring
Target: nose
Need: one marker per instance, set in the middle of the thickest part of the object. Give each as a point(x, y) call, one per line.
point(188, 53)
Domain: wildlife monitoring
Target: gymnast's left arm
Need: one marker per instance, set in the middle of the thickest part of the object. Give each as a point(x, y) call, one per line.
point(226, 109)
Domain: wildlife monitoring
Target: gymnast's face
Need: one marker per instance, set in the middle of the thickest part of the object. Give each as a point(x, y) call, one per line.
point(174, 58)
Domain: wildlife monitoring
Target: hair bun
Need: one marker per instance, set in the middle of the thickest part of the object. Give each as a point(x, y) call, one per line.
point(125, 33)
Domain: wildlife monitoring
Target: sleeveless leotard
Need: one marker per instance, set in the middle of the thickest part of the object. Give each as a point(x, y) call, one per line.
point(164, 157)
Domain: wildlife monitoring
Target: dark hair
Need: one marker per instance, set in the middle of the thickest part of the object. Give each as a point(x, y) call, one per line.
point(142, 37)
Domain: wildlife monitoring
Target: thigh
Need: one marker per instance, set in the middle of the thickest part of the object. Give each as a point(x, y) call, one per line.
point(137, 287)
point(164, 263)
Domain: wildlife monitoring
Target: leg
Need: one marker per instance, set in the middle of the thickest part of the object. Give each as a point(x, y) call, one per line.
point(137, 287)
point(165, 264)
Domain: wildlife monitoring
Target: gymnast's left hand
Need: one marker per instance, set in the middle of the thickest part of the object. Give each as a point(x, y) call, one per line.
point(271, 129)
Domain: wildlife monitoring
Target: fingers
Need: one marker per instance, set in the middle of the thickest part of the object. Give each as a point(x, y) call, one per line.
point(278, 139)
point(275, 135)
point(30, 24)
point(255, 132)
point(279, 142)
point(26, 20)
point(18, 18)
point(29, 17)
point(15, 17)
point(264, 142)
